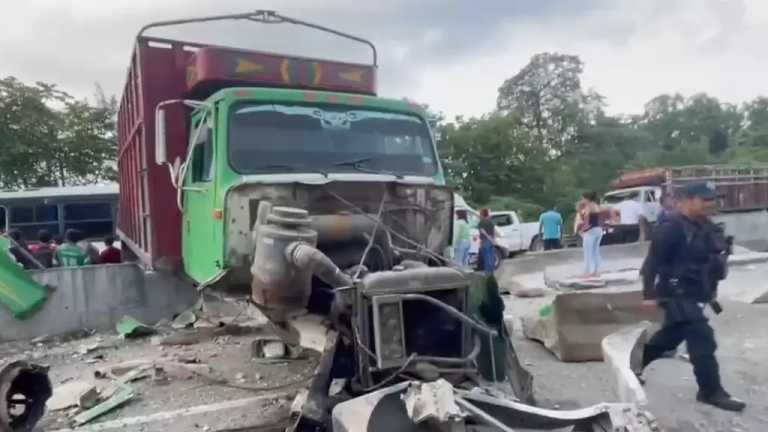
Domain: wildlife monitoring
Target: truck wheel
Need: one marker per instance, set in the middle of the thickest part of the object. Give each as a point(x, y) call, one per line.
point(537, 244)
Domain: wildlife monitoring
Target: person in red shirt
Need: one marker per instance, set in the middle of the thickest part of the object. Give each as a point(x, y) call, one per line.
point(44, 250)
point(110, 255)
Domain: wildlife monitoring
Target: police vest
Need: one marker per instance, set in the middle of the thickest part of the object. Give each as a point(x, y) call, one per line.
point(695, 270)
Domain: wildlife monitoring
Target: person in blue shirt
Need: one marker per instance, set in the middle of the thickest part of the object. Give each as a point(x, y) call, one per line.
point(667, 208)
point(551, 228)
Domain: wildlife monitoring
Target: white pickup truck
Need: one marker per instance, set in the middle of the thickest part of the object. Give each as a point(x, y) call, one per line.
point(511, 235)
point(518, 236)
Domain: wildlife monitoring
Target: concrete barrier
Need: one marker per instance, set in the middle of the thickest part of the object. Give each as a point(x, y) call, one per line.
point(536, 262)
point(96, 297)
point(749, 229)
point(574, 326)
point(528, 271)
point(623, 351)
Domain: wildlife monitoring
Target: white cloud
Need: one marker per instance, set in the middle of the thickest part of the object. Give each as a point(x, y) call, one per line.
point(450, 54)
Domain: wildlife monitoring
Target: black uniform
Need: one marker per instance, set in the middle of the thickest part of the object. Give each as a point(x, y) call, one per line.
point(685, 262)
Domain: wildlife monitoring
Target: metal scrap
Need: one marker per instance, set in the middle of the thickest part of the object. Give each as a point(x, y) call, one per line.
point(129, 327)
point(385, 409)
point(121, 397)
point(432, 401)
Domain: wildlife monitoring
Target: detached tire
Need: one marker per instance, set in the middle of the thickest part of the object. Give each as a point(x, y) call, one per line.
point(24, 390)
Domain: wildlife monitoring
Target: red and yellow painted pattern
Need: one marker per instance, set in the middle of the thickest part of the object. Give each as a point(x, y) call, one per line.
point(254, 68)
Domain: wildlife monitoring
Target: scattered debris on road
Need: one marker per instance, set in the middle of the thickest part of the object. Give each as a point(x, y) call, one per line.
point(129, 327)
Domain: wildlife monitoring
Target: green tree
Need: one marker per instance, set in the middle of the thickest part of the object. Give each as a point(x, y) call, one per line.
point(547, 97)
point(49, 138)
point(28, 131)
point(675, 122)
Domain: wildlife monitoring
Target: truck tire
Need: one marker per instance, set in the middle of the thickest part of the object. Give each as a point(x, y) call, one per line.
point(537, 244)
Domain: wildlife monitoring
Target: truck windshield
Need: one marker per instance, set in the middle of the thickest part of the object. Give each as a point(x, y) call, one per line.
point(617, 197)
point(267, 138)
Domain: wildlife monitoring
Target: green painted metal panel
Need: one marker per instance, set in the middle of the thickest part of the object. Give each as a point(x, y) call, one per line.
point(21, 294)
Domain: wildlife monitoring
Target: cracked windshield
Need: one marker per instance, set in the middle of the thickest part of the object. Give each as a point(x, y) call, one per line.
point(268, 138)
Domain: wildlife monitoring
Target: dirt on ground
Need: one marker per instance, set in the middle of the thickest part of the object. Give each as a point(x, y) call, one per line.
point(236, 390)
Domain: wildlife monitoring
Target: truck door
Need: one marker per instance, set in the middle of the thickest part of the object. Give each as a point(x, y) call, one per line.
point(507, 225)
point(651, 204)
point(199, 217)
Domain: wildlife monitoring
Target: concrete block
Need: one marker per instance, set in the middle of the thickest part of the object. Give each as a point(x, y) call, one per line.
point(576, 323)
point(623, 351)
point(96, 297)
point(746, 284)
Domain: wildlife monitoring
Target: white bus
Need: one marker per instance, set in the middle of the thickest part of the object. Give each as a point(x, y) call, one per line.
point(91, 209)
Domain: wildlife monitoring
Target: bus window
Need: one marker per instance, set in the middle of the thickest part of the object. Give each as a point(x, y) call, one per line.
point(31, 219)
point(93, 219)
point(22, 215)
point(3, 220)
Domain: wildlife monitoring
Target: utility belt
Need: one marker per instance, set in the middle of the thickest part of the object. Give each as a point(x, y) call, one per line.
point(685, 287)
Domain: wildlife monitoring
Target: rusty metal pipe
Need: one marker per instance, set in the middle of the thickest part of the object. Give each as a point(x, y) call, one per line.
point(308, 258)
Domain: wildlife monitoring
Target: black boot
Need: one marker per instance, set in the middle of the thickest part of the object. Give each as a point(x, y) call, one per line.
point(722, 400)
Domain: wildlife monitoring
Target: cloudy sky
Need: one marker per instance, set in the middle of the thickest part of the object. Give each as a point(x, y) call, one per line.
point(451, 54)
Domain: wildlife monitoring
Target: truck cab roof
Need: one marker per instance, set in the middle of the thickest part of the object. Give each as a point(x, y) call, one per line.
point(272, 94)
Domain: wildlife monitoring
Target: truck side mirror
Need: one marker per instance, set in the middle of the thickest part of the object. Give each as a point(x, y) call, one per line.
point(161, 154)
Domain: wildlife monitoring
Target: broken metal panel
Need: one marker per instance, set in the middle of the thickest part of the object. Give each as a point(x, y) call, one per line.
point(367, 413)
point(21, 294)
point(609, 416)
point(420, 212)
point(386, 410)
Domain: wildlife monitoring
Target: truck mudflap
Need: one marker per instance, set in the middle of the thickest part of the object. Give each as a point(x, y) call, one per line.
point(416, 406)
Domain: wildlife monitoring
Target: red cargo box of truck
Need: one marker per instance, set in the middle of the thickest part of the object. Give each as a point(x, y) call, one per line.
point(149, 221)
point(741, 188)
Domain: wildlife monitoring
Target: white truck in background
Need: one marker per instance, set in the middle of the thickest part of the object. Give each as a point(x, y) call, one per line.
point(518, 236)
point(742, 201)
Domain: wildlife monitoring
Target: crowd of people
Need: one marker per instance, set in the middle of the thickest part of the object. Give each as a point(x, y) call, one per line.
point(71, 250)
point(626, 220)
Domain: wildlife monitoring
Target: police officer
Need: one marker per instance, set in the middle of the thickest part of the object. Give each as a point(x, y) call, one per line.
point(685, 261)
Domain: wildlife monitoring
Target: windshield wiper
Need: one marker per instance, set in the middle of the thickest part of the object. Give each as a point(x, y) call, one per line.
point(354, 163)
point(357, 164)
point(292, 168)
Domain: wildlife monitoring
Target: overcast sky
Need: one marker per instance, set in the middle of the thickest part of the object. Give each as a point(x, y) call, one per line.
point(450, 54)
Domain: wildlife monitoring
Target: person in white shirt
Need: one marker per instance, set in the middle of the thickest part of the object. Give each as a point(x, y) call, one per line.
point(630, 217)
point(630, 212)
